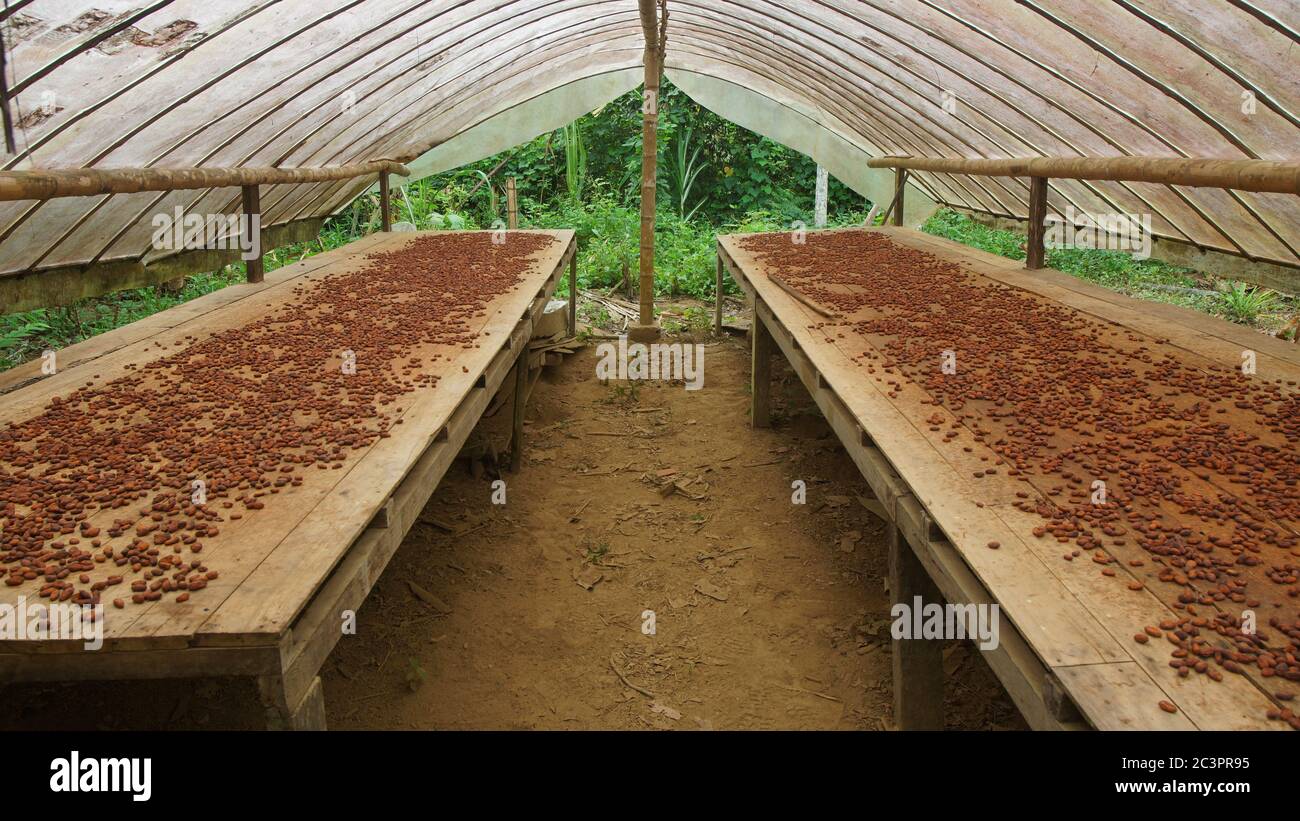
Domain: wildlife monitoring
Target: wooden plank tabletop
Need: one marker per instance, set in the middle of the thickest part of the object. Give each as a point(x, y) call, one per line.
point(1080, 624)
point(271, 560)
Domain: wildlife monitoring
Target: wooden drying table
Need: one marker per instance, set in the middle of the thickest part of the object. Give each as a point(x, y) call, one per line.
point(286, 576)
point(1066, 655)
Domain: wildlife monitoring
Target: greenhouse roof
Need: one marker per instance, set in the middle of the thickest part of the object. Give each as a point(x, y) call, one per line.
point(291, 83)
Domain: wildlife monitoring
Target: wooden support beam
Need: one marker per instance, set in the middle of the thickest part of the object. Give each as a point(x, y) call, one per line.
point(385, 207)
point(252, 225)
point(717, 297)
point(895, 202)
point(761, 349)
point(918, 662)
point(287, 710)
point(517, 421)
point(1035, 252)
point(900, 185)
point(512, 205)
point(573, 290)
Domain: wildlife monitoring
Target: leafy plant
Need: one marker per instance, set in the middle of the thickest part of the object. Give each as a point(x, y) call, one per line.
point(451, 222)
point(486, 182)
point(1244, 304)
point(685, 170)
point(17, 335)
point(597, 552)
point(415, 674)
point(1292, 330)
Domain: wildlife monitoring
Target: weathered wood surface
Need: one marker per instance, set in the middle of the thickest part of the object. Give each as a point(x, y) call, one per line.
point(272, 561)
point(1070, 617)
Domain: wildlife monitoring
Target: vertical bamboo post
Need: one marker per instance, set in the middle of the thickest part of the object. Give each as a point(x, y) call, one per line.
point(1035, 252)
point(512, 205)
point(652, 28)
point(900, 185)
point(254, 268)
point(385, 208)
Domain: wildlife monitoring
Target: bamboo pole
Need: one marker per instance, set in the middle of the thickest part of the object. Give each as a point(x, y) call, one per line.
point(512, 204)
point(652, 25)
point(1240, 175)
point(89, 182)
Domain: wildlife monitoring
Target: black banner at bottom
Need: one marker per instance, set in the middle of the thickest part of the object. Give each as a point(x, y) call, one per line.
point(303, 771)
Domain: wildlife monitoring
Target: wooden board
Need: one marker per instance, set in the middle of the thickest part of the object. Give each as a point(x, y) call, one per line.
point(1067, 619)
point(273, 561)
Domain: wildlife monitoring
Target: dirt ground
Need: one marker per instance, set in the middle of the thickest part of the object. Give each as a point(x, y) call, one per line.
point(766, 614)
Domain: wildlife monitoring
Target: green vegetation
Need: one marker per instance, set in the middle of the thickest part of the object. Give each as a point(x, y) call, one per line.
point(575, 160)
point(23, 336)
point(683, 172)
point(1244, 304)
point(1149, 279)
point(716, 177)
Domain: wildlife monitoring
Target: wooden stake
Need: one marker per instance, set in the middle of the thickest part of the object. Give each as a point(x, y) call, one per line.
point(886, 219)
point(512, 205)
point(385, 207)
point(762, 346)
point(292, 711)
point(521, 396)
point(1035, 252)
point(717, 298)
point(573, 290)
point(900, 185)
point(252, 224)
point(918, 662)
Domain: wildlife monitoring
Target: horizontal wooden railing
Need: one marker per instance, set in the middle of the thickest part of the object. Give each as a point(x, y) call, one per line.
point(1241, 175)
point(89, 182)
point(1265, 176)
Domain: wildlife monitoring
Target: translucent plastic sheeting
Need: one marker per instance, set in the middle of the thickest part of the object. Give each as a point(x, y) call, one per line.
point(125, 83)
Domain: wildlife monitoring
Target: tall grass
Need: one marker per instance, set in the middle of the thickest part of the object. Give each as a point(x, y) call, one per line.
point(683, 171)
point(575, 160)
